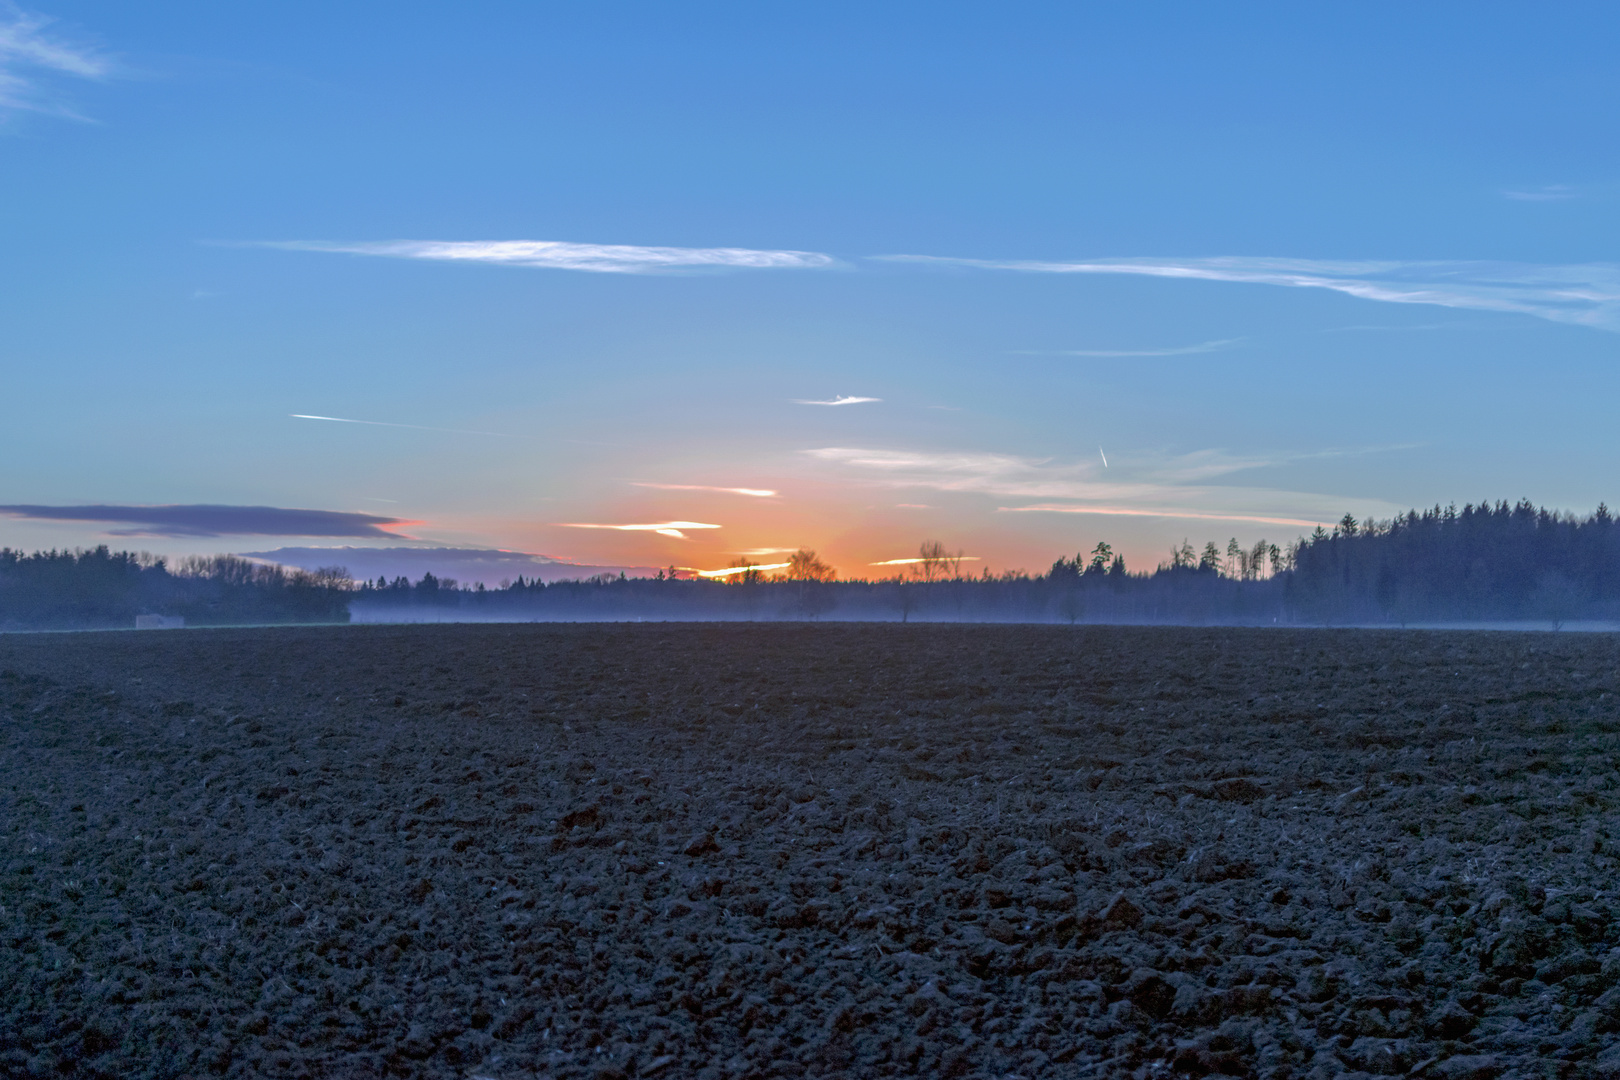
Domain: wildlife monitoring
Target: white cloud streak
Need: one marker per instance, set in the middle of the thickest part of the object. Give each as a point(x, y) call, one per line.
point(414, 427)
point(1584, 294)
point(24, 47)
point(1167, 487)
point(912, 562)
point(1185, 350)
point(733, 571)
point(841, 400)
point(756, 493)
point(1176, 512)
point(1007, 474)
point(662, 528)
point(560, 255)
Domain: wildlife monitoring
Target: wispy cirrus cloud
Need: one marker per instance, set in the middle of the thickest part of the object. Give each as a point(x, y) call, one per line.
point(989, 473)
point(201, 520)
point(757, 493)
point(1184, 350)
point(1171, 486)
point(733, 571)
point(385, 423)
point(562, 255)
point(1586, 294)
point(27, 51)
point(673, 529)
point(1165, 512)
point(840, 400)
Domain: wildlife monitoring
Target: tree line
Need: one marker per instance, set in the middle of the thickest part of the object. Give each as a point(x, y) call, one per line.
point(1485, 563)
point(1481, 563)
point(103, 589)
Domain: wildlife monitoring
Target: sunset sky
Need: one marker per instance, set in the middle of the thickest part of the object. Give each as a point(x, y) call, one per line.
point(654, 284)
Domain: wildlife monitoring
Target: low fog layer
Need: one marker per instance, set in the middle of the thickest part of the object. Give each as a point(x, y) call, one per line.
point(1486, 564)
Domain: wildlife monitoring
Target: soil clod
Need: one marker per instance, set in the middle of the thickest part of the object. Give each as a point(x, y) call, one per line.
point(817, 851)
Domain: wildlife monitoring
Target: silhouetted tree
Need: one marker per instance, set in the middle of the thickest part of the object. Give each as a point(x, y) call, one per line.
point(803, 565)
point(1070, 604)
point(905, 598)
point(933, 562)
point(809, 577)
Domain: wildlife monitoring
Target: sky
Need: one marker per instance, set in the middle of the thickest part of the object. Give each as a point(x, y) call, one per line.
point(651, 285)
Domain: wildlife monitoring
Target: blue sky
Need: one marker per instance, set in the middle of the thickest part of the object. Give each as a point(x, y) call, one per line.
point(1275, 262)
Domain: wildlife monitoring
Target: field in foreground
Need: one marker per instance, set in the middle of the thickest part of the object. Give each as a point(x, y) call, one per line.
point(738, 851)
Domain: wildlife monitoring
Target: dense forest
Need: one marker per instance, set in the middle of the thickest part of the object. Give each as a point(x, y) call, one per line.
point(1489, 563)
point(1167, 597)
point(102, 589)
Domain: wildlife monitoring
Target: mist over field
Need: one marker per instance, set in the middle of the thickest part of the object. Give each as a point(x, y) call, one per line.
point(1485, 565)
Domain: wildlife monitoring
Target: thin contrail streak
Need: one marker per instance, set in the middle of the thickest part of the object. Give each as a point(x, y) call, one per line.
point(416, 427)
point(1104, 457)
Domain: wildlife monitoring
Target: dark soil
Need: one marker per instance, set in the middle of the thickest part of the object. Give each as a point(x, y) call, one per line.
point(778, 850)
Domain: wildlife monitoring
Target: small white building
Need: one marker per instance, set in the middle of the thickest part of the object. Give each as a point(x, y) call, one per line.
point(160, 622)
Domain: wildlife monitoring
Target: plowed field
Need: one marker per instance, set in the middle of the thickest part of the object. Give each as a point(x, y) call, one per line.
point(778, 850)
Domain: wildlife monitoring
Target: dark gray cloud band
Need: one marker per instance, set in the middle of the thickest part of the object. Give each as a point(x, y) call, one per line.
point(212, 520)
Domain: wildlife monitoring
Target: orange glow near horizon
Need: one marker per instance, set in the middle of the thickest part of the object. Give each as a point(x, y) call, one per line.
point(857, 529)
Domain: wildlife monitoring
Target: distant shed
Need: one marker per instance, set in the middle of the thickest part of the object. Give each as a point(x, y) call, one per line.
point(160, 622)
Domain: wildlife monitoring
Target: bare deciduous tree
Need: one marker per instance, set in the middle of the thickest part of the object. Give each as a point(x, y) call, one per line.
point(335, 578)
point(803, 565)
point(933, 562)
point(904, 597)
